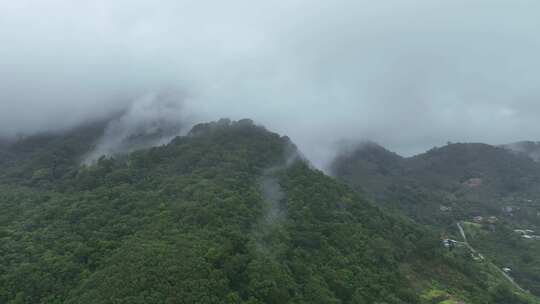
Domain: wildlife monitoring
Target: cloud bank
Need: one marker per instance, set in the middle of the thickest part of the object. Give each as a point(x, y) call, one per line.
point(407, 74)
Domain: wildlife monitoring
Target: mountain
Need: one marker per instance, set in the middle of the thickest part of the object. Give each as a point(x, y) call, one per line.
point(373, 166)
point(229, 213)
point(491, 191)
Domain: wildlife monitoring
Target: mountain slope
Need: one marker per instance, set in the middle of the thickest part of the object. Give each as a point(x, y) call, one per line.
point(227, 214)
point(492, 190)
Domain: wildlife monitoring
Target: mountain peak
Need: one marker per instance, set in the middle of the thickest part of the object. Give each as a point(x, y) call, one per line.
point(224, 124)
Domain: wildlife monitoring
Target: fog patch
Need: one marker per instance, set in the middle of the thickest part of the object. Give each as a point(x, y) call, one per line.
point(528, 148)
point(152, 120)
point(273, 196)
point(268, 231)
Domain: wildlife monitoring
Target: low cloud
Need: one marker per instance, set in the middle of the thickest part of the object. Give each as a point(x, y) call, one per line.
point(151, 120)
point(408, 74)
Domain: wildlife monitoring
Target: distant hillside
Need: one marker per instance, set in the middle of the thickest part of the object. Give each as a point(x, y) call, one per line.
point(500, 172)
point(56, 155)
point(226, 214)
point(454, 183)
point(368, 165)
point(47, 156)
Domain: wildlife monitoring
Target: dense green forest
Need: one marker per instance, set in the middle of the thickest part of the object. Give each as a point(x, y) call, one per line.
point(229, 213)
point(491, 190)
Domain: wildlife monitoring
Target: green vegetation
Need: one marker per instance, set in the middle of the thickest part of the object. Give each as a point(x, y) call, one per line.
point(491, 190)
point(195, 222)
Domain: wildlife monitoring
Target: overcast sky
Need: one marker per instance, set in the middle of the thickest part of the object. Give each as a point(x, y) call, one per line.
point(408, 74)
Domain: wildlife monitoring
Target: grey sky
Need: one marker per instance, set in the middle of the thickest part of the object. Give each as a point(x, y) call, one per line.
point(408, 74)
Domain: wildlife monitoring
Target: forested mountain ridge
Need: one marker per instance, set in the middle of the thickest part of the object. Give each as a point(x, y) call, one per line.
point(228, 213)
point(446, 167)
point(494, 192)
